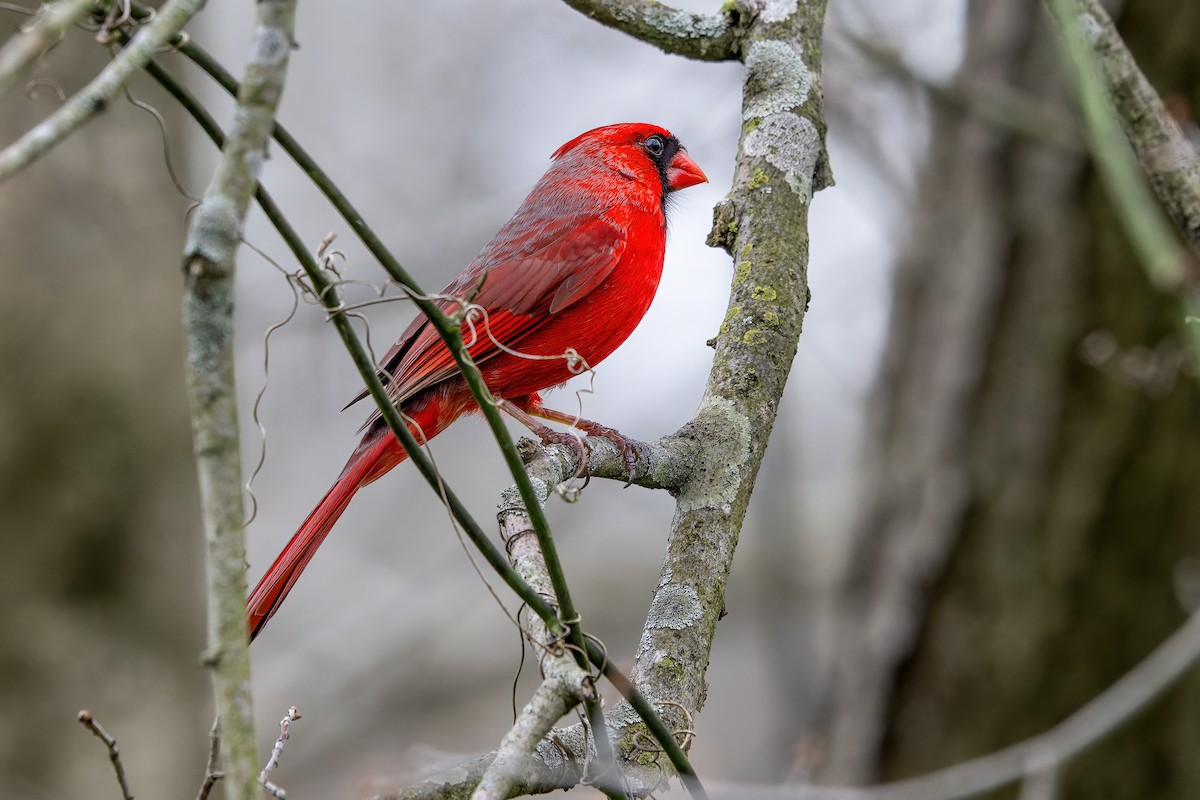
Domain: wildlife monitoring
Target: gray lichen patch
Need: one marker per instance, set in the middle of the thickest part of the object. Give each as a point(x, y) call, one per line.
point(776, 10)
point(269, 45)
point(510, 498)
point(1092, 28)
point(216, 230)
point(621, 716)
point(679, 24)
point(776, 79)
point(725, 432)
point(551, 756)
point(789, 143)
point(676, 606)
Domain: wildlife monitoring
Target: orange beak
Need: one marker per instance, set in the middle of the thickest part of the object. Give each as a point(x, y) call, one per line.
point(683, 172)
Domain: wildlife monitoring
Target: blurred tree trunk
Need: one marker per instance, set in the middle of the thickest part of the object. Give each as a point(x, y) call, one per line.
point(100, 547)
point(1037, 450)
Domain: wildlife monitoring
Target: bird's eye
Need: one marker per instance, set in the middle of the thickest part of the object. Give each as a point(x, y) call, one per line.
point(654, 145)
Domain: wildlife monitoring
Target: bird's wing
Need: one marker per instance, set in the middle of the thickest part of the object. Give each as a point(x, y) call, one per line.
point(527, 276)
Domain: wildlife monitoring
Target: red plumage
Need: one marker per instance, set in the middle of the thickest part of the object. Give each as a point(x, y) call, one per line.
point(575, 268)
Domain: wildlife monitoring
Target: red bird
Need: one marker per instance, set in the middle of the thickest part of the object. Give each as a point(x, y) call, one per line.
point(574, 269)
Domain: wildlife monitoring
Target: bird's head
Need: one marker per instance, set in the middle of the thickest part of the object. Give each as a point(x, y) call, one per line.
point(640, 147)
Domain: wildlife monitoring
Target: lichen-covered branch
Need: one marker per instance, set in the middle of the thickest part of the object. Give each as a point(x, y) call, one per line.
point(95, 97)
point(763, 224)
point(1163, 152)
point(706, 37)
point(32, 40)
point(1163, 259)
point(209, 256)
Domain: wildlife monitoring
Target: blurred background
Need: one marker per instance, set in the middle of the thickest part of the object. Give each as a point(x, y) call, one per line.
point(977, 511)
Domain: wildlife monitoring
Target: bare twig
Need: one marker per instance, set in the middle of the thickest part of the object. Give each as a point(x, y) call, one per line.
point(23, 48)
point(264, 777)
point(706, 37)
point(114, 755)
point(96, 96)
point(211, 772)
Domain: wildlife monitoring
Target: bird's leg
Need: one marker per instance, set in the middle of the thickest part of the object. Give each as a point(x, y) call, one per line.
point(532, 407)
point(547, 434)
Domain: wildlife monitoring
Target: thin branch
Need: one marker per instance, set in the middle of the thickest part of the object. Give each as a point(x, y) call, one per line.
point(565, 682)
point(705, 37)
point(1051, 750)
point(33, 39)
point(552, 699)
point(209, 260)
point(558, 662)
point(114, 755)
point(661, 464)
point(1162, 150)
point(212, 773)
point(458, 782)
point(96, 96)
point(1166, 263)
point(264, 777)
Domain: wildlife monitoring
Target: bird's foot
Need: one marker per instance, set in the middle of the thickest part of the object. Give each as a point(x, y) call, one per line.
point(628, 446)
point(576, 444)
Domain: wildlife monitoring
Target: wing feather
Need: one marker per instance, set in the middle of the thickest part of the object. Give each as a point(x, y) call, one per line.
point(529, 273)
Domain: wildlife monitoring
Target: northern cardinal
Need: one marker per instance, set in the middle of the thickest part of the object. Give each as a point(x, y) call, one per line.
point(572, 272)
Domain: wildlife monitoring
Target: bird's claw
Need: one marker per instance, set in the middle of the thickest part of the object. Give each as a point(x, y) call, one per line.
point(629, 450)
point(575, 444)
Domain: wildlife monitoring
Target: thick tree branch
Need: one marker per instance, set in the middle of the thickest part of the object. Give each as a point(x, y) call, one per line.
point(95, 97)
point(763, 224)
point(209, 256)
point(1163, 152)
point(705, 37)
point(32, 40)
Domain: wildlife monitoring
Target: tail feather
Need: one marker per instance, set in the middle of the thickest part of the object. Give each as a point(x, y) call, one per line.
point(368, 462)
point(377, 453)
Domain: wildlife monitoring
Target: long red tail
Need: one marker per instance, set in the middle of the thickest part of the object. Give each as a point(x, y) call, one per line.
point(363, 467)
